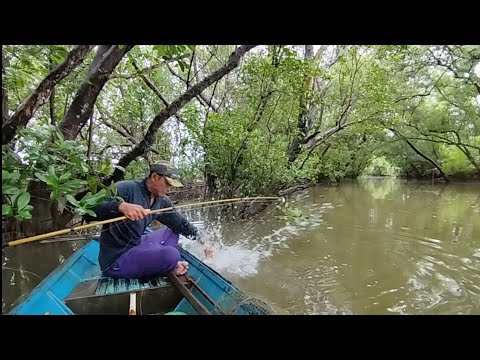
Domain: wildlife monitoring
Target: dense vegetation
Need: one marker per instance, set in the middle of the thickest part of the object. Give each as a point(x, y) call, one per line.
point(246, 120)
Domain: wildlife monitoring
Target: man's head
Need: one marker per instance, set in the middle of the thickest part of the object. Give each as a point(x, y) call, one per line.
point(162, 176)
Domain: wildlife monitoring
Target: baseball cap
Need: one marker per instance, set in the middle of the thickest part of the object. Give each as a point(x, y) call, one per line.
point(170, 172)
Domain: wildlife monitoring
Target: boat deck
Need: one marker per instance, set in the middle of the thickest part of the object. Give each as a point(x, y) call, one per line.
point(112, 296)
point(77, 287)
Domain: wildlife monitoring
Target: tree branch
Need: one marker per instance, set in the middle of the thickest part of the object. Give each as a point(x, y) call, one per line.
point(135, 74)
point(203, 100)
point(467, 80)
point(36, 99)
point(174, 107)
point(420, 153)
point(150, 84)
point(106, 60)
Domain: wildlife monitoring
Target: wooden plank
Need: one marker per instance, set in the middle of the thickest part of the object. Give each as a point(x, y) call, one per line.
point(151, 301)
point(84, 289)
point(133, 304)
point(196, 304)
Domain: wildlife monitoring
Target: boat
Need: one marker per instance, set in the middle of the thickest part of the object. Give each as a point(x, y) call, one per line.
point(77, 287)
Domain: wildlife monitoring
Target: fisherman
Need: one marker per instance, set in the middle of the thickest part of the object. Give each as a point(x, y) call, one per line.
point(125, 250)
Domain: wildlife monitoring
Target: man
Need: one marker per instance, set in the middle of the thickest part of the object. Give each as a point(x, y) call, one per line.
point(125, 251)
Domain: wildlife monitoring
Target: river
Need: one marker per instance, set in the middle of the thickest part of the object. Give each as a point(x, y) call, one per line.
point(371, 246)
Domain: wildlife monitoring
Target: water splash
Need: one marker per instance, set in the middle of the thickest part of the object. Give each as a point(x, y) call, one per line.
point(241, 252)
point(228, 260)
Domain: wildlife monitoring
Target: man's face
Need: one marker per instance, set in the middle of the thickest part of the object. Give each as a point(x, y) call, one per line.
point(160, 186)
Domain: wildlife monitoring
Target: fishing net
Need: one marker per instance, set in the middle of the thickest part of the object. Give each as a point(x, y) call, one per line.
point(239, 303)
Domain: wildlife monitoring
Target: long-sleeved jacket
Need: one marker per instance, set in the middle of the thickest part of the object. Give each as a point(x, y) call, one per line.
point(119, 237)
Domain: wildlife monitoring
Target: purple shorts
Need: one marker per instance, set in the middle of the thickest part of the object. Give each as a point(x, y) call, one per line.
point(156, 254)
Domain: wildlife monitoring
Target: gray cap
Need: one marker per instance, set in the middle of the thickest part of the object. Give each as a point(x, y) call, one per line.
point(170, 172)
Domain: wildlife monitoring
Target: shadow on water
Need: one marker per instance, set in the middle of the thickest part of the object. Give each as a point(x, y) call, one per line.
point(371, 246)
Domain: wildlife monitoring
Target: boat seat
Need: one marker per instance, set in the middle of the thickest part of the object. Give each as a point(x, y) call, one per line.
point(109, 286)
point(100, 295)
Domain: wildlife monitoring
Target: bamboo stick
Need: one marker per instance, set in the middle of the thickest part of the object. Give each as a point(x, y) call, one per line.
point(98, 223)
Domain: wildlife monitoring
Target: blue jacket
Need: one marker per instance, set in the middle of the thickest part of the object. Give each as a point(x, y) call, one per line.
point(118, 237)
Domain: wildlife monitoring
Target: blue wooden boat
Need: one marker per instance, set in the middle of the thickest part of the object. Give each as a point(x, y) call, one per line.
point(77, 287)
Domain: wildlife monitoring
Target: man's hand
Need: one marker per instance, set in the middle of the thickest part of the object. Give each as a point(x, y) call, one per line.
point(133, 212)
point(208, 250)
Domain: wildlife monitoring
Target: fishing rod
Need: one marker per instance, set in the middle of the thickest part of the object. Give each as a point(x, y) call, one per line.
point(97, 223)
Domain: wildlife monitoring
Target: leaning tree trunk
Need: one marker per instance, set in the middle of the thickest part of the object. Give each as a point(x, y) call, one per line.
point(105, 62)
point(431, 161)
point(173, 108)
point(409, 143)
point(46, 216)
point(37, 98)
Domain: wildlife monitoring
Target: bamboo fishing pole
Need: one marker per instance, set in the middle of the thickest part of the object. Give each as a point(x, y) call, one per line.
point(97, 223)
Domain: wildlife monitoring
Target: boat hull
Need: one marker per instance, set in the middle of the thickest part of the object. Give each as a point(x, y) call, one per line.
point(77, 287)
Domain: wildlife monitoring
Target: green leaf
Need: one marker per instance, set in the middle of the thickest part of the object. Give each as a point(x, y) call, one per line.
point(160, 49)
point(113, 188)
point(51, 170)
point(96, 199)
point(25, 214)
point(65, 176)
point(10, 190)
point(15, 197)
point(23, 200)
point(28, 208)
point(41, 177)
point(53, 195)
point(61, 202)
point(52, 182)
point(85, 167)
point(105, 169)
point(59, 134)
point(121, 46)
point(73, 185)
point(182, 65)
point(92, 183)
point(6, 210)
point(86, 197)
point(90, 212)
point(72, 200)
point(81, 211)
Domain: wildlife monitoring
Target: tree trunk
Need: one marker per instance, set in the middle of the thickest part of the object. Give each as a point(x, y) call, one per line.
point(105, 61)
point(428, 159)
point(31, 104)
point(173, 108)
point(45, 216)
point(210, 183)
point(303, 120)
point(264, 98)
point(308, 109)
point(5, 115)
point(467, 153)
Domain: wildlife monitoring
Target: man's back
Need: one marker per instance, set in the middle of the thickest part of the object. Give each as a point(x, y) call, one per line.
point(117, 238)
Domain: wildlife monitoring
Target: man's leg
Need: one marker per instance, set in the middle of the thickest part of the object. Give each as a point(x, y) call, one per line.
point(144, 260)
point(164, 236)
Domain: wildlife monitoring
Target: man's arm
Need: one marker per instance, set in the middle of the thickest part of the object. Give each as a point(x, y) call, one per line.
point(177, 222)
point(112, 208)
